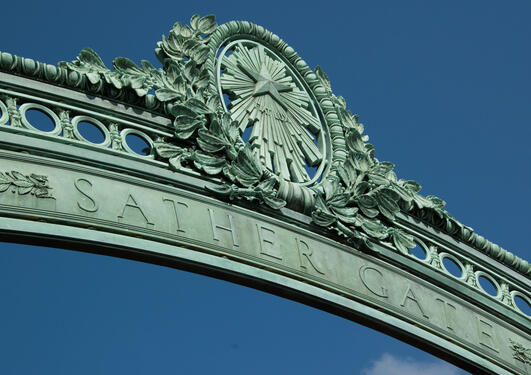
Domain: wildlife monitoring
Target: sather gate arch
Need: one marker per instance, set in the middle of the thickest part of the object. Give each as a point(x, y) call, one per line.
point(257, 173)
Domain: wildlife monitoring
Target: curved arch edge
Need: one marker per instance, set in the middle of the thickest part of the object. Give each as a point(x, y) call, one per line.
point(112, 244)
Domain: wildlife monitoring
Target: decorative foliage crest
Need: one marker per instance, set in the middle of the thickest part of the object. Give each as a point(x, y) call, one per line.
point(286, 102)
point(362, 196)
point(206, 138)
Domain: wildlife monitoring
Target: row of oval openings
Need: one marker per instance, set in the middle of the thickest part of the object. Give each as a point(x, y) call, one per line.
point(94, 134)
point(488, 286)
point(90, 132)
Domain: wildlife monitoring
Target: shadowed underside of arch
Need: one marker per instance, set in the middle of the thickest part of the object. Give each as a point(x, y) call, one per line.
point(255, 172)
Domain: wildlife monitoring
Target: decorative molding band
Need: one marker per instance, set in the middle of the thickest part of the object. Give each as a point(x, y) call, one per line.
point(62, 76)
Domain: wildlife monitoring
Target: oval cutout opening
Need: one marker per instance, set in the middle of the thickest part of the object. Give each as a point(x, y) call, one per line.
point(522, 305)
point(138, 144)
point(488, 286)
point(418, 252)
point(90, 132)
point(452, 267)
point(40, 120)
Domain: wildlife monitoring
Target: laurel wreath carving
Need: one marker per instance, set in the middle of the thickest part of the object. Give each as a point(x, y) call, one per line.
point(21, 184)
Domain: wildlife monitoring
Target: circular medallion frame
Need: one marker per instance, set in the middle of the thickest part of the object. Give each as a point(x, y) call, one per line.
point(332, 142)
point(277, 114)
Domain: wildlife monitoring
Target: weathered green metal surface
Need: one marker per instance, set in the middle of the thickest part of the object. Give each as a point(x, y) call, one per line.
point(184, 226)
point(235, 115)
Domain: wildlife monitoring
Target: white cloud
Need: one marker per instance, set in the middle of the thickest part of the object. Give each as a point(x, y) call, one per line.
point(390, 365)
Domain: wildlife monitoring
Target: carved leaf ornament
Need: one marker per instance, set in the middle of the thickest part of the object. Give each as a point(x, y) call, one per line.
point(520, 352)
point(303, 148)
point(21, 184)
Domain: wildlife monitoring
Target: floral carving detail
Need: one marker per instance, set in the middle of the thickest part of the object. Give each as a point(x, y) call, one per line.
point(33, 184)
point(505, 295)
point(362, 196)
point(199, 115)
point(469, 275)
point(520, 352)
point(433, 256)
point(15, 117)
point(181, 54)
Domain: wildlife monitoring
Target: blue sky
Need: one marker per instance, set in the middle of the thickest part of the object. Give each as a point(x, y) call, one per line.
point(443, 89)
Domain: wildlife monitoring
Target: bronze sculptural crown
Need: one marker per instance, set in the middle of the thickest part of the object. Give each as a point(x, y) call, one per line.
point(237, 122)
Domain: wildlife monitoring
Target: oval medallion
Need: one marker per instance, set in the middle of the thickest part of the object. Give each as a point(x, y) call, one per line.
point(275, 110)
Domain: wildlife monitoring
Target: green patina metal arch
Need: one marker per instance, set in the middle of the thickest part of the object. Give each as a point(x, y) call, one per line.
point(202, 199)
